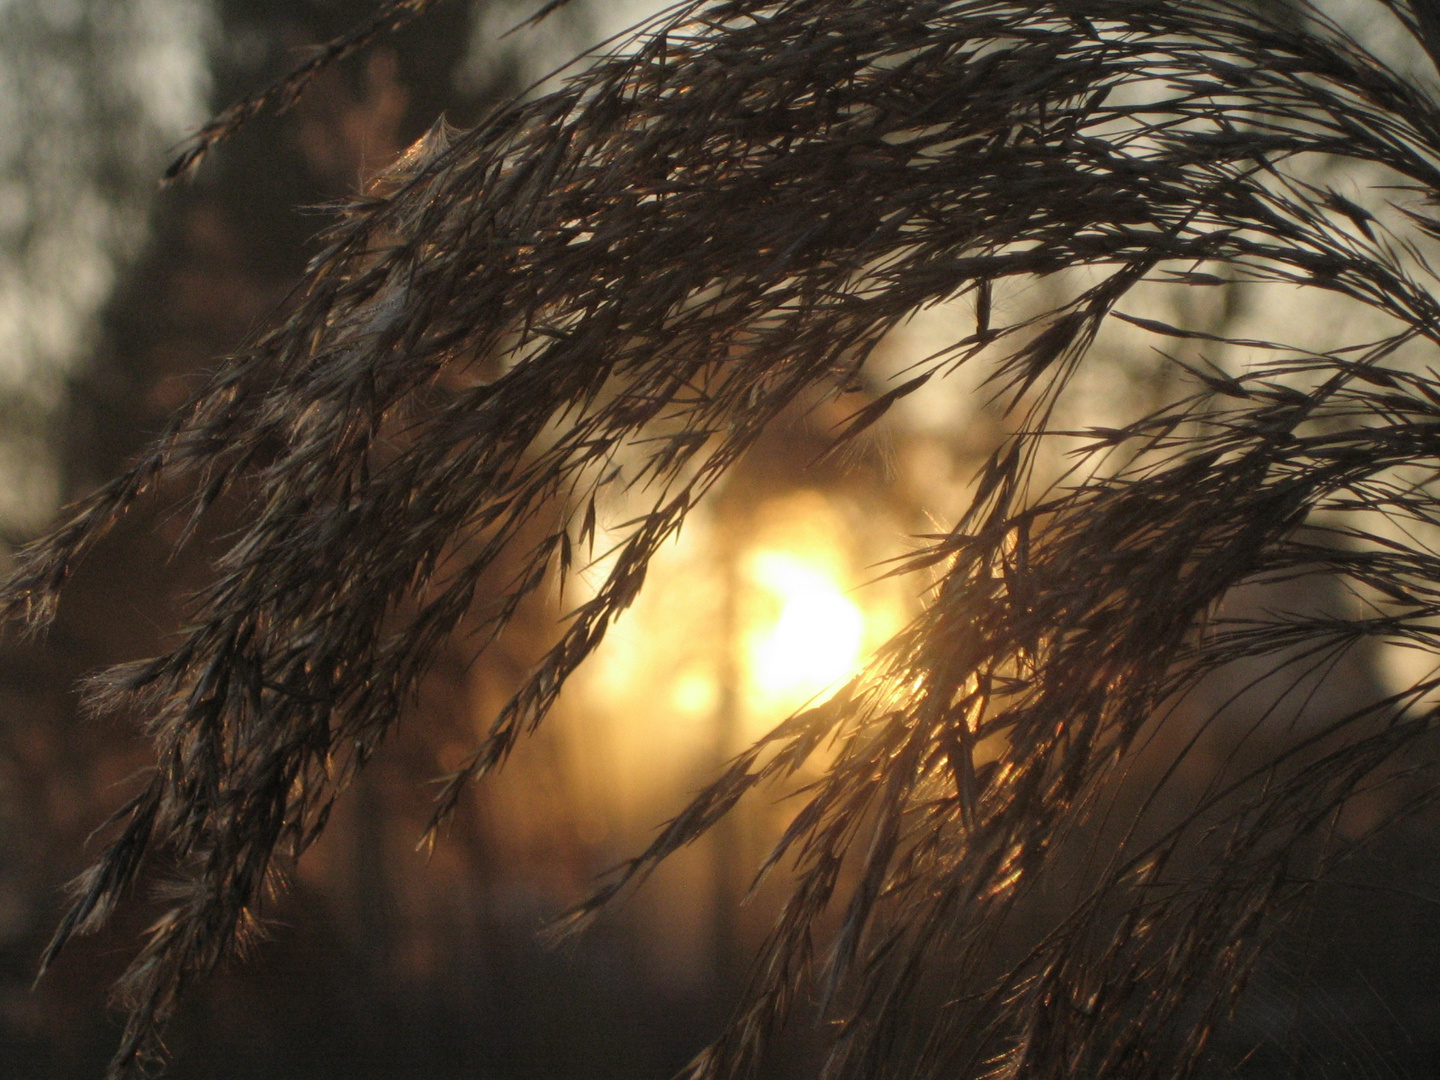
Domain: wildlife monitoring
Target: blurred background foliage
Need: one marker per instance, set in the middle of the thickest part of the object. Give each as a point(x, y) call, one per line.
point(382, 962)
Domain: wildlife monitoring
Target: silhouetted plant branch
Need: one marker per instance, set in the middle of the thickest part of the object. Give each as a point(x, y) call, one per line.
point(281, 95)
point(646, 267)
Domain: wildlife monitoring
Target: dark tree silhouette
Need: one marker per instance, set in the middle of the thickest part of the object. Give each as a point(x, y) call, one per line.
point(630, 277)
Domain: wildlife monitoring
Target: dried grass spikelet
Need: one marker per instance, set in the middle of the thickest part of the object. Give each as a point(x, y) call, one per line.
point(680, 242)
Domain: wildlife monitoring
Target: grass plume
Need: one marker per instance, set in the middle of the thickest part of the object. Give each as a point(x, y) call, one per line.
point(684, 240)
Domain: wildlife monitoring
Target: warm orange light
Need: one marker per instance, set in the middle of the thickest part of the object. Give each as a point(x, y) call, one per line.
point(812, 640)
point(738, 626)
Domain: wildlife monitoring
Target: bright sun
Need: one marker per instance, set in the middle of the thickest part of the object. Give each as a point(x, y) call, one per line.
point(814, 637)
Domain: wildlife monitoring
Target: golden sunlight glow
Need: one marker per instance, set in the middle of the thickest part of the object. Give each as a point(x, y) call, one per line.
point(814, 638)
point(738, 626)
